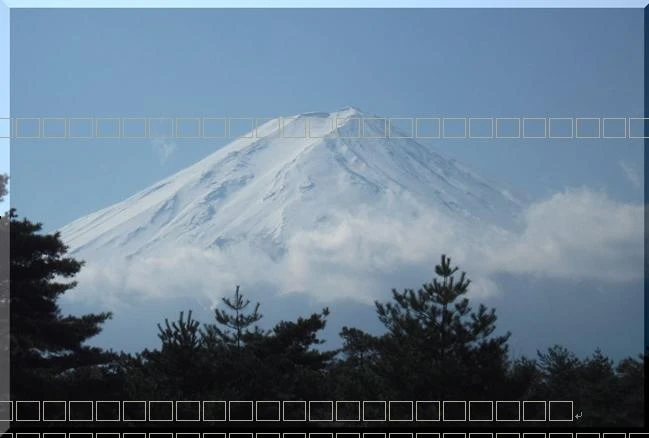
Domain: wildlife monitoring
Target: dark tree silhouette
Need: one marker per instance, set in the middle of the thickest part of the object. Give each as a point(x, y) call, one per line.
point(176, 370)
point(631, 385)
point(235, 363)
point(604, 393)
point(4, 299)
point(356, 376)
point(293, 367)
point(435, 348)
point(47, 348)
point(436, 345)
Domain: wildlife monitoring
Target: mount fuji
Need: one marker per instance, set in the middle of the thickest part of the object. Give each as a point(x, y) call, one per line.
point(326, 209)
point(291, 175)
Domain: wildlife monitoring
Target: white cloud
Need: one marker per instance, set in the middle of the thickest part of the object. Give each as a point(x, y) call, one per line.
point(632, 175)
point(577, 234)
point(163, 148)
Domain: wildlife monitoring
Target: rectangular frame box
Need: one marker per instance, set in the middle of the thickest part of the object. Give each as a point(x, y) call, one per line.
point(268, 402)
point(421, 120)
point(580, 121)
point(558, 120)
point(331, 410)
point(612, 120)
point(346, 119)
point(412, 410)
point(527, 120)
point(241, 402)
point(453, 119)
point(151, 403)
point(481, 119)
point(74, 120)
point(220, 402)
point(516, 402)
point(500, 120)
point(385, 127)
point(17, 122)
point(106, 120)
point(491, 408)
point(634, 121)
point(179, 129)
point(290, 402)
point(385, 410)
point(457, 402)
point(134, 121)
point(545, 410)
point(65, 409)
point(17, 409)
point(572, 411)
point(61, 120)
point(398, 119)
point(431, 402)
point(187, 402)
point(124, 403)
point(358, 408)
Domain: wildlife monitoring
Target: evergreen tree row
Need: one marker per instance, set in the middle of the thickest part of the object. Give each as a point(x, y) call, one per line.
point(436, 346)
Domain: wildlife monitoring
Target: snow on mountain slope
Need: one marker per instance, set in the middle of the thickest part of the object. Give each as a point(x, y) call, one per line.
point(266, 188)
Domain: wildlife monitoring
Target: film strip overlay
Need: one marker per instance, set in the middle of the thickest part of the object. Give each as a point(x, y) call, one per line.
point(289, 411)
point(320, 127)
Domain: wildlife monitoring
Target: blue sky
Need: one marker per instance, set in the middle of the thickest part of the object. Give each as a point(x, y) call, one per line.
point(450, 63)
point(266, 63)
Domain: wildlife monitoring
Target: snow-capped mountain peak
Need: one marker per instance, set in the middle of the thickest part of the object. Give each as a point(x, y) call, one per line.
point(266, 187)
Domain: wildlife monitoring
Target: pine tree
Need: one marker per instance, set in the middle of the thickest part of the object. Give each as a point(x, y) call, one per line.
point(182, 335)
point(177, 370)
point(355, 375)
point(560, 369)
point(233, 367)
point(290, 366)
point(46, 347)
point(607, 395)
point(598, 385)
point(359, 348)
point(435, 343)
point(236, 324)
point(631, 384)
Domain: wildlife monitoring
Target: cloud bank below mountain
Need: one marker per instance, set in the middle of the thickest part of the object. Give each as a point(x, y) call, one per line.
point(576, 235)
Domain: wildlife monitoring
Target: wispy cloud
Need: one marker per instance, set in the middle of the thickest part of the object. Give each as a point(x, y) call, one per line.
point(632, 175)
point(164, 148)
